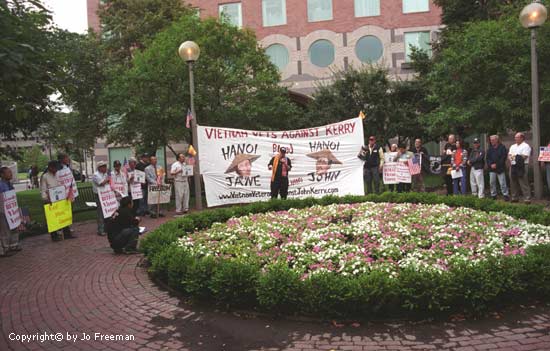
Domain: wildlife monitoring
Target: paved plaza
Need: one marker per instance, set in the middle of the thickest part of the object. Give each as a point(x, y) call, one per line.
point(81, 288)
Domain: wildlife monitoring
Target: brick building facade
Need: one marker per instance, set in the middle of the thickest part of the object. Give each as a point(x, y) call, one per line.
point(308, 39)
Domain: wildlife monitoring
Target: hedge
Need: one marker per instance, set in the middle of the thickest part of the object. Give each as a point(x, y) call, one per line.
point(238, 283)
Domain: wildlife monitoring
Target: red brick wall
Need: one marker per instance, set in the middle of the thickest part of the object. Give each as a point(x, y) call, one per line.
point(344, 20)
point(93, 18)
point(343, 17)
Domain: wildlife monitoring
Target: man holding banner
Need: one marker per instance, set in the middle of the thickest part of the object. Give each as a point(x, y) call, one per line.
point(50, 185)
point(10, 217)
point(373, 155)
point(279, 166)
point(65, 177)
point(99, 180)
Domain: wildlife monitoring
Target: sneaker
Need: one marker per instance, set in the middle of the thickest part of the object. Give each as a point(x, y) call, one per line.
point(55, 237)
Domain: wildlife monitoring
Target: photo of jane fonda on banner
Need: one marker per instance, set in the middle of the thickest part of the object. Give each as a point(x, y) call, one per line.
point(242, 164)
point(324, 161)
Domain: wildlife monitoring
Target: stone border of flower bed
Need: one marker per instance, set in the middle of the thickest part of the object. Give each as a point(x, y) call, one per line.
point(471, 290)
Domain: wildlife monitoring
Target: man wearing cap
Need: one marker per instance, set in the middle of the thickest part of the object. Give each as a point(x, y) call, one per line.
point(279, 166)
point(325, 159)
point(242, 165)
point(373, 155)
point(477, 162)
point(142, 164)
point(100, 178)
point(181, 185)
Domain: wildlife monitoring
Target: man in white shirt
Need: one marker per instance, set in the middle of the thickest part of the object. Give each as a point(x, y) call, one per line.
point(181, 185)
point(519, 155)
point(100, 178)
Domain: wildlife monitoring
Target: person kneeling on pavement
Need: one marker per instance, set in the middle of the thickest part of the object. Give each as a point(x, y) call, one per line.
point(122, 229)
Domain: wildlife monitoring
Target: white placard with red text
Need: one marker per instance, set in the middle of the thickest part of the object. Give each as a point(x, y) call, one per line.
point(11, 209)
point(107, 198)
point(218, 148)
point(65, 177)
point(135, 191)
point(396, 172)
point(544, 154)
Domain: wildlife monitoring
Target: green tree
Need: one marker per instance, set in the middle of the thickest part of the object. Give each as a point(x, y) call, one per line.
point(458, 12)
point(391, 107)
point(32, 157)
point(129, 25)
point(27, 71)
point(236, 86)
point(480, 78)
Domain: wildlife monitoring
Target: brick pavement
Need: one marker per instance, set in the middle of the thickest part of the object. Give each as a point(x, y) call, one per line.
point(79, 286)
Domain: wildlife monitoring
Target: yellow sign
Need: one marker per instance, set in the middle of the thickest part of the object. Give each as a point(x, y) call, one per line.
point(58, 215)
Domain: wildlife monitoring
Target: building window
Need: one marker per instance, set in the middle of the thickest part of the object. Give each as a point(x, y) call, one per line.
point(411, 6)
point(278, 55)
point(232, 13)
point(369, 49)
point(319, 10)
point(366, 8)
point(274, 12)
point(321, 53)
point(419, 40)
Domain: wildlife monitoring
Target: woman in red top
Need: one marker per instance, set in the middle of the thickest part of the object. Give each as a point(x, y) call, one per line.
point(460, 157)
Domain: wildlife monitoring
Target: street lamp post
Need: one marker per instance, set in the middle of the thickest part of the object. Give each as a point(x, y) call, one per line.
point(533, 16)
point(189, 52)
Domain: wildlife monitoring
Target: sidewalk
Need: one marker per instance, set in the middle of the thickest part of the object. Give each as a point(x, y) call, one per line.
point(79, 286)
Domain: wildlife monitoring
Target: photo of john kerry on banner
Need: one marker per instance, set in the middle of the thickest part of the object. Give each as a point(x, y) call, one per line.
point(234, 162)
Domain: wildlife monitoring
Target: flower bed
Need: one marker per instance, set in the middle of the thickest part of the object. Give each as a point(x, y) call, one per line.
point(354, 239)
point(357, 259)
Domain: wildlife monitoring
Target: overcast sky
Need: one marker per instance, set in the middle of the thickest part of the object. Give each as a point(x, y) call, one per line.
point(69, 14)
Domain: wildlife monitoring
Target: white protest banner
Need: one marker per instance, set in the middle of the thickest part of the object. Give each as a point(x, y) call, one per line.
point(159, 194)
point(65, 177)
point(11, 209)
point(544, 154)
point(324, 162)
point(107, 198)
point(135, 191)
point(57, 193)
point(396, 172)
point(119, 184)
point(139, 176)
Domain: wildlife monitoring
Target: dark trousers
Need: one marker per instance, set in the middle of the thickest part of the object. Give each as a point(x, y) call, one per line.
point(372, 174)
point(392, 187)
point(135, 207)
point(448, 183)
point(403, 187)
point(279, 185)
point(127, 239)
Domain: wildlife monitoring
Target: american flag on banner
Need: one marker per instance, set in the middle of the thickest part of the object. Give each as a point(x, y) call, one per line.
point(414, 165)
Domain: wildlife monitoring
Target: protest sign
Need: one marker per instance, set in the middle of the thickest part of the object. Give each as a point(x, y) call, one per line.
point(57, 193)
point(435, 164)
point(107, 198)
point(65, 177)
point(396, 172)
point(159, 194)
point(139, 176)
point(324, 162)
point(58, 215)
point(135, 191)
point(11, 209)
point(187, 170)
point(544, 154)
point(456, 174)
point(119, 184)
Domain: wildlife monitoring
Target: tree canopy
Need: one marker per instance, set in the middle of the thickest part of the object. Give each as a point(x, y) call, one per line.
point(236, 86)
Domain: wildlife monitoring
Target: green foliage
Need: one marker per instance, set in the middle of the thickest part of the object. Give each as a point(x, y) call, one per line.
point(236, 86)
point(464, 289)
point(27, 71)
point(391, 107)
point(33, 157)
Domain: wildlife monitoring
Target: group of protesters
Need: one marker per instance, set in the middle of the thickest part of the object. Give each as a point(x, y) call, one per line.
point(461, 166)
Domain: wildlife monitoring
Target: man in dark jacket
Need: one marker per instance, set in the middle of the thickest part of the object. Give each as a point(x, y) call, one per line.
point(142, 164)
point(373, 155)
point(447, 162)
point(477, 163)
point(496, 162)
point(418, 179)
point(122, 229)
point(280, 166)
